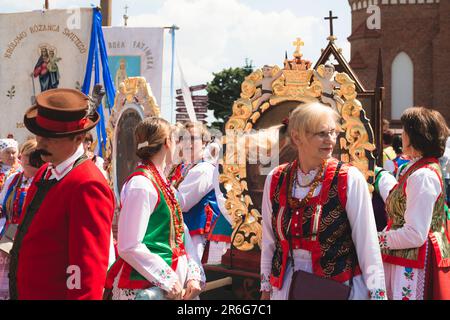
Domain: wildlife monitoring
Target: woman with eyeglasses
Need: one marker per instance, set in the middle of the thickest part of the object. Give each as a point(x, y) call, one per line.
point(317, 215)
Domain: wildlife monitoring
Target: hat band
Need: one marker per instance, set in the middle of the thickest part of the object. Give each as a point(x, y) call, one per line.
point(60, 126)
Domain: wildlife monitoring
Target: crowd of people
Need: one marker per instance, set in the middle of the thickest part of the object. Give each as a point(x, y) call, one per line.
point(319, 222)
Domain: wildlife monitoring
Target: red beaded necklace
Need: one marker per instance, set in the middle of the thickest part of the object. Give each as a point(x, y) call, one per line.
point(176, 214)
point(295, 203)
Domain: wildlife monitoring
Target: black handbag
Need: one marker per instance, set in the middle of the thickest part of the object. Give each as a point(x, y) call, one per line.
point(308, 286)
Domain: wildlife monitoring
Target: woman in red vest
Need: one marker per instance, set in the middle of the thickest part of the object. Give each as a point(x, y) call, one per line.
point(318, 210)
point(415, 244)
point(157, 258)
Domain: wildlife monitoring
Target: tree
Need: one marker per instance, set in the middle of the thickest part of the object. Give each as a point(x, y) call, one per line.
point(224, 89)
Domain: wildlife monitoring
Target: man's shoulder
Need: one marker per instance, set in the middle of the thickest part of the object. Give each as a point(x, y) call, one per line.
point(85, 172)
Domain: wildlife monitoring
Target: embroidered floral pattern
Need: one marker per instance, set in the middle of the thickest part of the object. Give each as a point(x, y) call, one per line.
point(409, 274)
point(196, 272)
point(165, 278)
point(378, 294)
point(382, 240)
point(265, 283)
point(406, 293)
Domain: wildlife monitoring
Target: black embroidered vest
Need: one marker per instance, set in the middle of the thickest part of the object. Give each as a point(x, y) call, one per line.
point(322, 227)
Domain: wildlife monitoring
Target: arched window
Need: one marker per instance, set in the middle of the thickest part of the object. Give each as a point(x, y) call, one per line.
point(402, 84)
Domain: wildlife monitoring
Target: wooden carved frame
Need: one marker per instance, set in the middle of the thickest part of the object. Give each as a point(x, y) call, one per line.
point(299, 83)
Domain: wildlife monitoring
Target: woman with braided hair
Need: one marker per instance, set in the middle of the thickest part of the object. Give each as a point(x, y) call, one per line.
point(157, 257)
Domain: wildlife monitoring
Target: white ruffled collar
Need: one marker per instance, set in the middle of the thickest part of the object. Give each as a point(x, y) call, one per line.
point(306, 178)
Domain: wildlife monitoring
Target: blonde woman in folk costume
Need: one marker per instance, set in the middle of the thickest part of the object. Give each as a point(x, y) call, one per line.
point(157, 258)
point(415, 244)
point(322, 215)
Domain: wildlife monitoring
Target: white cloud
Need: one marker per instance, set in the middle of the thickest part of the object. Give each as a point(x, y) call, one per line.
point(216, 34)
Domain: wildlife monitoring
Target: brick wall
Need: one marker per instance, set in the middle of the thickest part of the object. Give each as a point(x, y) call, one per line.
point(420, 30)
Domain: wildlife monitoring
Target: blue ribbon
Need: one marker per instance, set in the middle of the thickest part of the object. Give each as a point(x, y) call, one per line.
point(97, 45)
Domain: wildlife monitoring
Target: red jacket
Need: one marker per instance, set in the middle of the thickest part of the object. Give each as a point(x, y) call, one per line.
point(72, 227)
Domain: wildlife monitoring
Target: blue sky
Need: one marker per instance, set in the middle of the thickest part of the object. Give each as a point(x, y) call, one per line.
point(217, 34)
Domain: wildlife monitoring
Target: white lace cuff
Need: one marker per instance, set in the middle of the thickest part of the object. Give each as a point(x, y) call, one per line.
point(196, 272)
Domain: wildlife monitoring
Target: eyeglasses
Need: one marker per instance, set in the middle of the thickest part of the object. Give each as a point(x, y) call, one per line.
point(326, 133)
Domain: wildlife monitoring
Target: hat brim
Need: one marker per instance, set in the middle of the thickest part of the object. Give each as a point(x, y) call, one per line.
point(30, 123)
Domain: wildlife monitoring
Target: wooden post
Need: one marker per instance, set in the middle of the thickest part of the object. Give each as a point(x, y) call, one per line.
point(106, 7)
point(379, 106)
point(46, 5)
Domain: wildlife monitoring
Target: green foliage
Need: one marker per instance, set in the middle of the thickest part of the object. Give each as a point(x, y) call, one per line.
point(224, 89)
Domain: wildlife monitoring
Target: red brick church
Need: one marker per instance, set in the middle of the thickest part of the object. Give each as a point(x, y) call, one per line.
point(414, 37)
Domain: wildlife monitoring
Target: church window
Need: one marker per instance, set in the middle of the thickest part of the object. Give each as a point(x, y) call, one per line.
point(402, 84)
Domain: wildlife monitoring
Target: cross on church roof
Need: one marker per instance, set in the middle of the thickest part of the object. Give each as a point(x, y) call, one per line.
point(332, 37)
point(125, 16)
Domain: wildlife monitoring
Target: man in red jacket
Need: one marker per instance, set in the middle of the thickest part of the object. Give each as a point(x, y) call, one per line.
point(61, 249)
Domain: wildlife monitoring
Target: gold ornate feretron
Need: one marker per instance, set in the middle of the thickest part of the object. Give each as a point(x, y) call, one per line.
point(299, 83)
point(131, 90)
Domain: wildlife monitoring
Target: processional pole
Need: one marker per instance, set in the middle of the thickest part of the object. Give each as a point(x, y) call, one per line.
point(106, 8)
point(172, 32)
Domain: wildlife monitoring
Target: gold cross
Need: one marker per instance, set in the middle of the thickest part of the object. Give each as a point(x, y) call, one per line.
point(298, 43)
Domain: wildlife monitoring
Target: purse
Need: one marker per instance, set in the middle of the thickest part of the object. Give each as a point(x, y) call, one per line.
point(308, 286)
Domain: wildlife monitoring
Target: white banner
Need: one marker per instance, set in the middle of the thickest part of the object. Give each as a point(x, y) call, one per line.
point(134, 52)
point(40, 50)
point(187, 94)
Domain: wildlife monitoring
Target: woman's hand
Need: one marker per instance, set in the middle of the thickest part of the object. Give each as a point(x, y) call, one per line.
point(193, 289)
point(265, 295)
point(175, 293)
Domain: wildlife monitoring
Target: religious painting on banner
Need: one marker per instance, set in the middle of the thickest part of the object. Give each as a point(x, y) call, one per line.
point(42, 50)
point(135, 52)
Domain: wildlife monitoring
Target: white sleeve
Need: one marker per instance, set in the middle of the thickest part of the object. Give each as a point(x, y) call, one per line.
point(389, 166)
point(422, 190)
point(268, 239)
point(197, 183)
point(195, 267)
point(139, 198)
point(364, 232)
point(385, 184)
